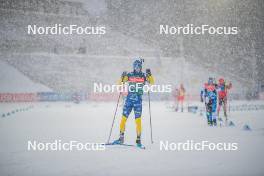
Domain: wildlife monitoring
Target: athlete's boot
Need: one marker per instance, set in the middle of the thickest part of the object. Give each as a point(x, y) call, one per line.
point(214, 122)
point(120, 140)
point(138, 142)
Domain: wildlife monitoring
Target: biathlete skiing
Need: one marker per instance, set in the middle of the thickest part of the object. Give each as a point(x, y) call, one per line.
point(223, 88)
point(136, 80)
point(209, 96)
point(180, 97)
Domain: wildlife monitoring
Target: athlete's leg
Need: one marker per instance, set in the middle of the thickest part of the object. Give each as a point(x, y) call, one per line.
point(138, 112)
point(123, 124)
point(126, 111)
point(220, 105)
point(182, 99)
point(225, 107)
point(214, 113)
point(138, 126)
point(208, 107)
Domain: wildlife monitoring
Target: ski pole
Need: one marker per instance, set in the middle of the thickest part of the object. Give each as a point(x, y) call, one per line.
point(114, 118)
point(123, 74)
point(229, 106)
point(150, 119)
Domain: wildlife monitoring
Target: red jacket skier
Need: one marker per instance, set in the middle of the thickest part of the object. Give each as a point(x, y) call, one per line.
point(222, 95)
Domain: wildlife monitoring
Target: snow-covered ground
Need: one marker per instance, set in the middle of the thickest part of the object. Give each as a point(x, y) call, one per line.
point(90, 122)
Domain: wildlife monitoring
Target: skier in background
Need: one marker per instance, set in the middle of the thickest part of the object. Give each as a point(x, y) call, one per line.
point(134, 99)
point(180, 97)
point(209, 96)
point(222, 88)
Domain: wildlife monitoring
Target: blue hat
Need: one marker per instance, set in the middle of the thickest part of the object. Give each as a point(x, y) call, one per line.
point(210, 80)
point(137, 64)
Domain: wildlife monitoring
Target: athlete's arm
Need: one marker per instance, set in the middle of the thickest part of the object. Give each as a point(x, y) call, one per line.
point(202, 95)
point(149, 77)
point(124, 78)
point(229, 86)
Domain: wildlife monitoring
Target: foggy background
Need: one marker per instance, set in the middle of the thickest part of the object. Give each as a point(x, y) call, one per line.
point(69, 63)
point(42, 75)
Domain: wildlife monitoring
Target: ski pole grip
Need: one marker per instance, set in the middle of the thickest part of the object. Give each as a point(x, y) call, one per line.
point(123, 75)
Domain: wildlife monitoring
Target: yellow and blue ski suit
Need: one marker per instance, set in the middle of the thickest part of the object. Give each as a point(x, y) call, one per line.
point(134, 98)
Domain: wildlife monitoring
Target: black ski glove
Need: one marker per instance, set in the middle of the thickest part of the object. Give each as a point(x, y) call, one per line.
point(123, 75)
point(148, 72)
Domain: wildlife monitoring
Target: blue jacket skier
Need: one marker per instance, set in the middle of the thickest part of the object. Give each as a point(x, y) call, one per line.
point(136, 80)
point(209, 96)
